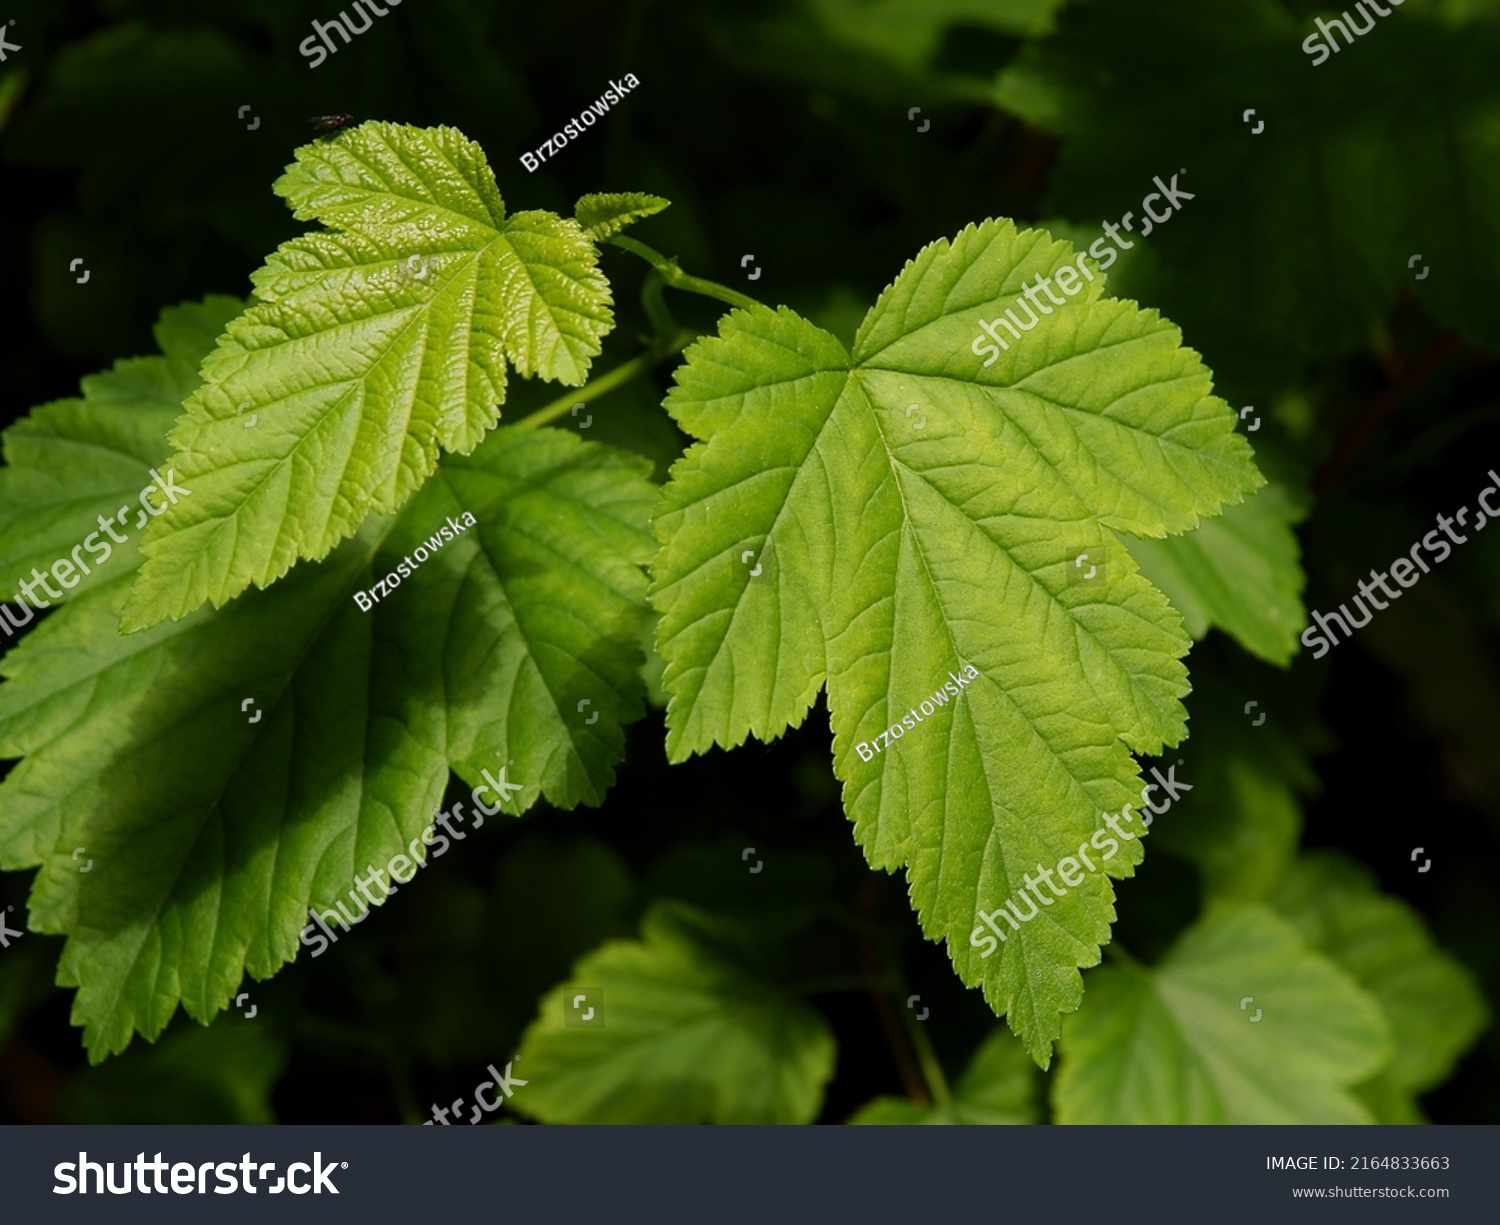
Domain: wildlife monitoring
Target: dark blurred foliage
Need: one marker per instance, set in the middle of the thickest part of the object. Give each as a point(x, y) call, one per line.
point(780, 129)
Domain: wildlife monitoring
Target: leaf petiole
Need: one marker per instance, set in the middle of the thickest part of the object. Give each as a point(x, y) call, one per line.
point(678, 279)
point(618, 377)
point(667, 337)
point(655, 306)
point(927, 1060)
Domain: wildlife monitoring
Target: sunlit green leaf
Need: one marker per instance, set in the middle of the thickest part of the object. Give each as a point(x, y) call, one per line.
point(906, 524)
point(372, 346)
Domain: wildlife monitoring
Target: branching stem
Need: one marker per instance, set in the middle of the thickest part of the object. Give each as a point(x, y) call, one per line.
point(677, 278)
point(666, 339)
point(620, 375)
point(655, 306)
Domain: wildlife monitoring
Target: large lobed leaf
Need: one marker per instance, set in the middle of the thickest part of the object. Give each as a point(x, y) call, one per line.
point(68, 462)
point(682, 1031)
point(1434, 1006)
point(912, 513)
point(513, 646)
point(1240, 1023)
point(1330, 1004)
point(1239, 571)
point(371, 346)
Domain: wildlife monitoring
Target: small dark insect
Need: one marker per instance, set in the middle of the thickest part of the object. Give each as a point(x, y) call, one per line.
point(326, 125)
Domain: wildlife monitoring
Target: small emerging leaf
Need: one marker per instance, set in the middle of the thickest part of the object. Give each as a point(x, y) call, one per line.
point(605, 215)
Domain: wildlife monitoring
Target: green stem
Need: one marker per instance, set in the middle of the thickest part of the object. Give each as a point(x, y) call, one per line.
point(917, 1081)
point(654, 304)
point(605, 383)
point(667, 337)
point(678, 279)
point(932, 1070)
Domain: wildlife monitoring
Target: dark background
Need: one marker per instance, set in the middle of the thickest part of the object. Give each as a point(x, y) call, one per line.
point(775, 137)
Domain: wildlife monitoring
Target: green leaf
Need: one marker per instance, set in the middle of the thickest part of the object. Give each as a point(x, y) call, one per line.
point(1245, 823)
point(371, 345)
point(607, 213)
point(915, 518)
point(1391, 1104)
point(1239, 572)
point(682, 1033)
point(998, 1087)
point(541, 651)
point(484, 956)
point(1432, 1002)
point(1181, 1043)
point(513, 646)
point(71, 461)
